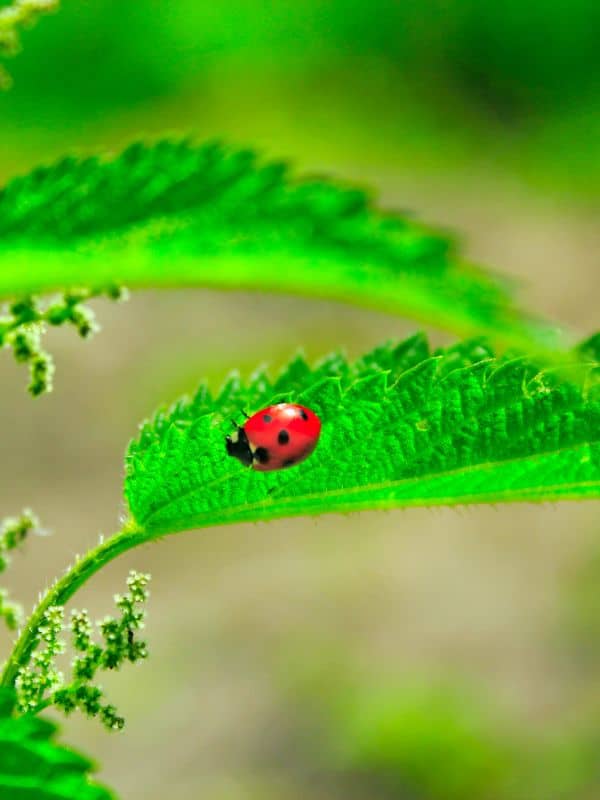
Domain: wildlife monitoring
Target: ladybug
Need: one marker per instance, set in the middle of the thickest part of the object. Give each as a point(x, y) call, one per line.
point(277, 437)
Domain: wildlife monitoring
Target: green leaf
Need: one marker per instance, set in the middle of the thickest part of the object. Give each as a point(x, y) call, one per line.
point(176, 214)
point(34, 767)
point(401, 427)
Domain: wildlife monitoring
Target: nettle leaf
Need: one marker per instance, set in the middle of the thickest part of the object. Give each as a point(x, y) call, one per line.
point(401, 427)
point(177, 214)
point(34, 767)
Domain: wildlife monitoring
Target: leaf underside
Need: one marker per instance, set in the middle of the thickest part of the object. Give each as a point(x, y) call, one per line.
point(401, 427)
point(177, 214)
point(33, 767)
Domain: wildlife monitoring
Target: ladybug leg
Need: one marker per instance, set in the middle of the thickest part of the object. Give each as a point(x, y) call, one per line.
point(244, 413)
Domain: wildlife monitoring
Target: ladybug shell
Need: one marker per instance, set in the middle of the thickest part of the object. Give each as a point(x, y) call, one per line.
point(281, 436)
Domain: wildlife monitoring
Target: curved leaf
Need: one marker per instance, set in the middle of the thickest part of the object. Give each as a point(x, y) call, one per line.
point(401, 427)
point(34, 767)
point(175, 214)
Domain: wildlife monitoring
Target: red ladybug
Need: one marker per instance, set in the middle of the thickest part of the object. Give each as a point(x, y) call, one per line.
point(277, 437)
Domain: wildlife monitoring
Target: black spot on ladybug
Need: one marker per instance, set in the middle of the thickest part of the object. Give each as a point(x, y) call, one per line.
point(267, 418)
point(288, 462)
point(261, 454)
point(303, 414)
point(283, 437)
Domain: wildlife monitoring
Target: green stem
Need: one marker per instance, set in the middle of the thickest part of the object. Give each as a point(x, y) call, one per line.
point(129, 537)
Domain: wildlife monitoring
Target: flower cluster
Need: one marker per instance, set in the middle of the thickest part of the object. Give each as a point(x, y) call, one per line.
point(40, 684)
point(25, 320)
point(20, 13)
point(13, 532)
point(41, 675)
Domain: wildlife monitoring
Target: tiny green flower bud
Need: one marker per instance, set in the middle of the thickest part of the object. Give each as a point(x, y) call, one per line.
point(111, 719)
point(84, 320)
point(117, 293)
point(42, 370)
point(25, 310)
point(65, 700)
point(25, 344)
point(57, 314)
point(81, 628)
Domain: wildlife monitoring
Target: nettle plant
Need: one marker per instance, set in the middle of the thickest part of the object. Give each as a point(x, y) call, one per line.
point(507, 414)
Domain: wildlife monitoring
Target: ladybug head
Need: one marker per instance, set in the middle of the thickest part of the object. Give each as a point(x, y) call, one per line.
point(238, 447)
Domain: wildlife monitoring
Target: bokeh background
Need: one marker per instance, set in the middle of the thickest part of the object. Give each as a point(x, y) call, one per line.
point(416, 655)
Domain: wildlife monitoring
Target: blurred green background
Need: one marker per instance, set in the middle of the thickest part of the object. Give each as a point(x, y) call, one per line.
point(418, 655)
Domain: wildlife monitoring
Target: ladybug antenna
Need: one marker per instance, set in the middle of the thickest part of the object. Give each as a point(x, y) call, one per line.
point(244, 413)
